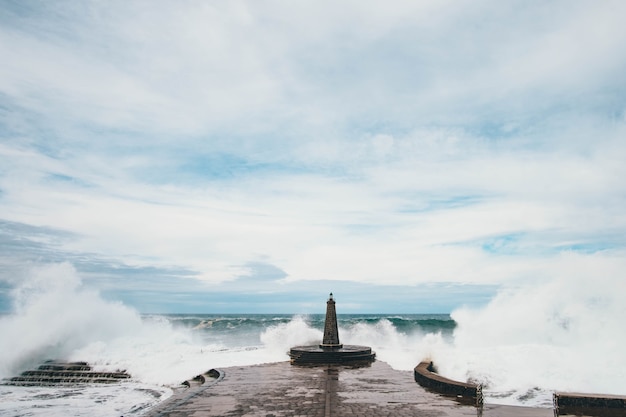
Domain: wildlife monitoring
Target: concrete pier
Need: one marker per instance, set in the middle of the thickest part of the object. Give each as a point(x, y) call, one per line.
point(282, 390)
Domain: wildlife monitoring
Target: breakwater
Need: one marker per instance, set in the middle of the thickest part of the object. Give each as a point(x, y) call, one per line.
point(425, 374)
point(599, 405)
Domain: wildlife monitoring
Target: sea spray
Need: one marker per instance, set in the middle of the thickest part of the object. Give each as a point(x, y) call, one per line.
point(402, 350)
point(297, 332)
point(562, 333)
point(54, 316)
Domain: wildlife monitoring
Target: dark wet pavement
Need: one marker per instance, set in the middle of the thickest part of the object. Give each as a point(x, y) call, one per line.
point(284, 390)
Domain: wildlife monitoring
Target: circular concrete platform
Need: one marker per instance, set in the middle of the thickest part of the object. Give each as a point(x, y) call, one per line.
point(304, 355)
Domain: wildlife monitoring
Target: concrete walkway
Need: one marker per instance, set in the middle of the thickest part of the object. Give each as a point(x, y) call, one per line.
point(283, 390)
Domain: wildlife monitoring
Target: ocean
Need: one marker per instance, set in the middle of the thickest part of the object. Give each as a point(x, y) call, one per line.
point(517, 364)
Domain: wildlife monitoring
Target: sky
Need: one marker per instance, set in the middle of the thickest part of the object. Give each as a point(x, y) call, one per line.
point(253, 156)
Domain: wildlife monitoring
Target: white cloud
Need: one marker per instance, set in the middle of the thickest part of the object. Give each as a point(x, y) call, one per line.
point(341, 142)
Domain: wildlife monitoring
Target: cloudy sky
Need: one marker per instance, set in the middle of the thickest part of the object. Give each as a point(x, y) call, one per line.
point(252, 156)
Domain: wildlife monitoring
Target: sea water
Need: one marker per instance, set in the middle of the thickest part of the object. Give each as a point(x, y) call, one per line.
point(520, 354)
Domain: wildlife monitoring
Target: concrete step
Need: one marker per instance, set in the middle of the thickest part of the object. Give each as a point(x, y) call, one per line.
point(65, 373)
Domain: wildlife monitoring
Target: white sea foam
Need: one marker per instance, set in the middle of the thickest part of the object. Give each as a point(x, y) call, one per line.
point(280, 337)
point(564, 333)
point(54, 316)
point(125, 399)
point(402, 351)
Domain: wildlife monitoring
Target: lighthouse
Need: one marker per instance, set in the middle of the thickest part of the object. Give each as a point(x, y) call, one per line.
point(331, 351)
point(331, 332)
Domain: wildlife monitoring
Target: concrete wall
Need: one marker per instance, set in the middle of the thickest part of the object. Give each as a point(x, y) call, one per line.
point(566, 403)
point(426, 376)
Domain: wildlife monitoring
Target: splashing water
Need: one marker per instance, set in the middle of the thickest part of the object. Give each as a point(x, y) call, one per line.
point(523, 345)
point(564, 334)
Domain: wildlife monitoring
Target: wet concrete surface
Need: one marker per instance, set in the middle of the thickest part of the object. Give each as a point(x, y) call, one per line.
point(284, 390)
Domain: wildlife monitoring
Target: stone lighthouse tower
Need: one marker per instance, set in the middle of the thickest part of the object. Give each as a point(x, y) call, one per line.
point(330, 350)
point(331, 333)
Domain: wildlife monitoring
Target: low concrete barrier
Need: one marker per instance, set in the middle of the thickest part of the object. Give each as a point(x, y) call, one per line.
point(195, 387)
point(202, 379)
point(466, 392)
point(601, 405)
